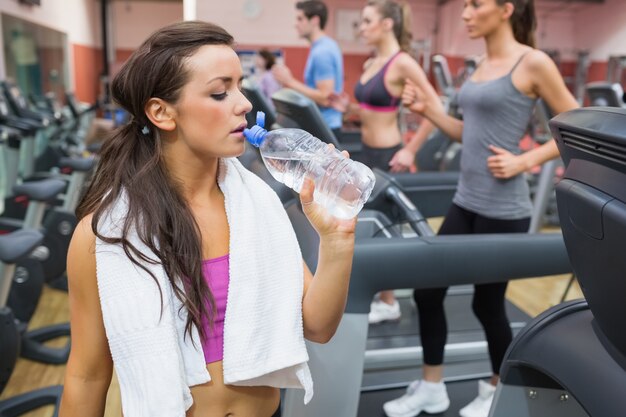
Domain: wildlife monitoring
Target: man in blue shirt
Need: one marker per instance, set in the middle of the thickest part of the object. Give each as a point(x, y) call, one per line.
point(323, 73)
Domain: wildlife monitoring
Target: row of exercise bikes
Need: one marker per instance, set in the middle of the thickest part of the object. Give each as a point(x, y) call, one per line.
point(44, 164)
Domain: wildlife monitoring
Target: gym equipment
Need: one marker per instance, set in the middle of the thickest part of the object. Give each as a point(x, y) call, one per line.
point(30, 274)
point(393, 263)
point(583, 61)
point(443, 77)
point(13, 247)
point(19, 104)
point(576, 83)
point(421, 50)
point(47, 125)
point(59, 222)
point(571, 360)
point(440, 153)
point(259, 103)
point(289, 103)
point(471, 63)
point(21, 142)
point(543, 189)
point(603, 93)
point(389, 365)
point(615, 69)
point(78, 111)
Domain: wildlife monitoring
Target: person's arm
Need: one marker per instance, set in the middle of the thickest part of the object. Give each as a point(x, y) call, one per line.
point(424, 131)
point(323, 75)
point(341, 102)
point(550, 87)
point(420, 97)
point(405, 157)
point(90, 367)
point(415, 101)
point(319, 94)
point(411, 73)
point(325, 294)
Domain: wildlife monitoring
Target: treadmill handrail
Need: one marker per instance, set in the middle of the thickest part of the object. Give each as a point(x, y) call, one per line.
point(442, 261)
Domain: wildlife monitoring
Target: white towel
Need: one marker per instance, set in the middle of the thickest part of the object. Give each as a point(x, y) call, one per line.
point(263, 330)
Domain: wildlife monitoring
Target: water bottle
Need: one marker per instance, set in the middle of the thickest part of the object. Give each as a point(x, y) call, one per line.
point(342, 185)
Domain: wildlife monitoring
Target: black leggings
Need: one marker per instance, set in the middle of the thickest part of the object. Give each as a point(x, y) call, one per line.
point(377, 157)
point(488, 302)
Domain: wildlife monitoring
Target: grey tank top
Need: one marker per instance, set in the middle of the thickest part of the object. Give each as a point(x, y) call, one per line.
point(496, 113)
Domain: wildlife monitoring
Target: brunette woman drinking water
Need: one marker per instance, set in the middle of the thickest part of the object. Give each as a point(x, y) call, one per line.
point(172, 270)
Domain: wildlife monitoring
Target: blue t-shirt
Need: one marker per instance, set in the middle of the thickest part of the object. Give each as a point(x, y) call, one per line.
point(325, 63)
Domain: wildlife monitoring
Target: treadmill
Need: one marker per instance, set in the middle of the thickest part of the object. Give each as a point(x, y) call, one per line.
point(571, 360)
point(602, 93)
point(393, 358)
point(363, 366)
point(290, 105)
point(259, 103)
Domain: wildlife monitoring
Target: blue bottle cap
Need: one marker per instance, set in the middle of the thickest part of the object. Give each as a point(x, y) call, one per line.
point(256, 134)
point(260, 118)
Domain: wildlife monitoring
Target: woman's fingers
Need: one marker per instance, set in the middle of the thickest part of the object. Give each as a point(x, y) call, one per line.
point(307, 191)
point(344, 152)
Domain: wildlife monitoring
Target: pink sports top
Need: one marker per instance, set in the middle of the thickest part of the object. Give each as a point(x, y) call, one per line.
point(215, 273)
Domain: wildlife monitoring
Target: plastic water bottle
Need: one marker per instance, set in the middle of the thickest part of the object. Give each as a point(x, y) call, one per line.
point(342, 185)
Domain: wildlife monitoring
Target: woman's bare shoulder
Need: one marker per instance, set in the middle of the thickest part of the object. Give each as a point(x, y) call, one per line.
point(406, 63)
point(536, 59)
point(83, 233)
point(81, 256)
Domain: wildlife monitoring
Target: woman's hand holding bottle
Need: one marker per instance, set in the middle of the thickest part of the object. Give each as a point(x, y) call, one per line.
point(326, 225)
point(322, 221)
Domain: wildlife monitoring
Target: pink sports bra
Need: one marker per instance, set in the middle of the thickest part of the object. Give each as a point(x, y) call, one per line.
point(215, 273)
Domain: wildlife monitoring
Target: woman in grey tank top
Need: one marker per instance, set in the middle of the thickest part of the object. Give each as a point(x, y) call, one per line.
point(492, 196)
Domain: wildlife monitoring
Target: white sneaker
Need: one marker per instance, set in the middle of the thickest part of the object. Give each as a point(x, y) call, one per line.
point(481, 404)
point(431, 397)
point(381, 311)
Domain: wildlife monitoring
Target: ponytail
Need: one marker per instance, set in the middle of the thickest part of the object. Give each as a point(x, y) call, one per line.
point(400, 15)
point(405, 36)
point(523, 21)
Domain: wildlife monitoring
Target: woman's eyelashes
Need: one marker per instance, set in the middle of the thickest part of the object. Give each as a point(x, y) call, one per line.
point(228, 89)
point(219, 96)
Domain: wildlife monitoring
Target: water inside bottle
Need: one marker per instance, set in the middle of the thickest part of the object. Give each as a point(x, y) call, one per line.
point(291, 168)
point(288, 167)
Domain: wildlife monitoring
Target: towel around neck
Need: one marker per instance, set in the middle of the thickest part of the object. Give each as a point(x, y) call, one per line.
point(155, 361)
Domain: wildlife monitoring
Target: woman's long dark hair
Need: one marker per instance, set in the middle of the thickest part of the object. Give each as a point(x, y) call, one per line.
point(523, 20)
point(400, 15)
point(132, 162)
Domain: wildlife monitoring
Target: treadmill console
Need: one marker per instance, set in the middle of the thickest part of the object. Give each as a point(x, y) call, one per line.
point(592, 207)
